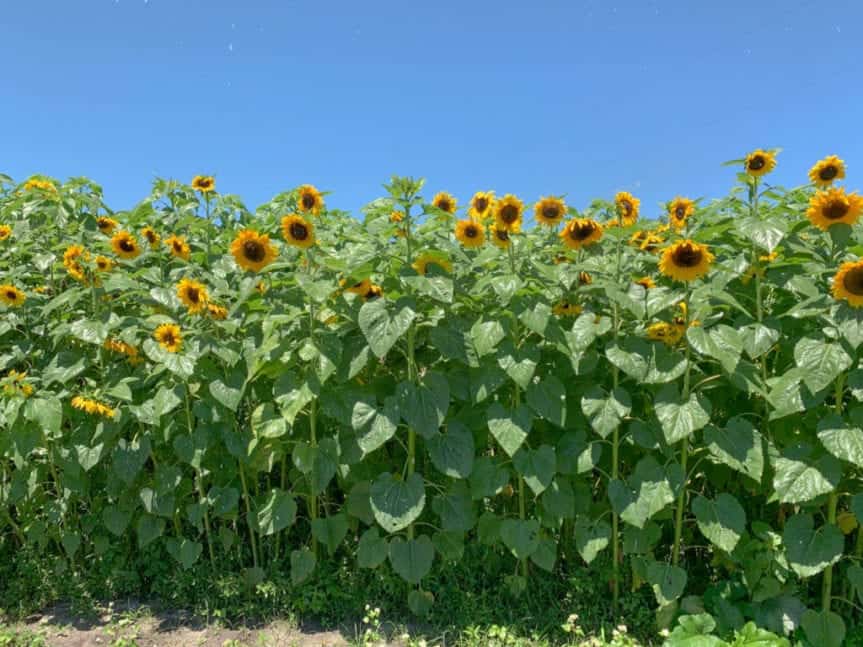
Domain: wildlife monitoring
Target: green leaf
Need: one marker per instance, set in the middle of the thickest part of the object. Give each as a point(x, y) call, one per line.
point(758, 338)
point(824, 628)
point(722, 520)
point(855, 577)
point(680, 419)
point(374, 426)
point(767, 233)
point(267, 422)
point(646, 363)
point(721, 342)
point(821, 362)
point(330, 530)
point(591, 537)
point(148, 529)
point(412, 559)
point(486, 335)
point(487, 478)
point(508, 430)
point(383, 324)
point(536, 466)
point(738, 446)
point(799, 481)
point(545, 554)
point(452, 452)
point(229, 395)
point(520, 536)
point(559, 499)
point(424, 406)
point(647, 492)
point(548, 399)
point(302, 565)
point(45, 412)
point(130, 457)
point(667, 581)
point(455, 510)
point(810, 551)
point(841, 440)
point(277, 513)
point(397, 504)
point(116, 520)
point(372, 549)
point(92, 332)
point(519, 363)
point(604, 410)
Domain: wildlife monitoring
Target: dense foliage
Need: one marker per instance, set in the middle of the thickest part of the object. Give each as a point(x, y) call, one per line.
point(676, 405)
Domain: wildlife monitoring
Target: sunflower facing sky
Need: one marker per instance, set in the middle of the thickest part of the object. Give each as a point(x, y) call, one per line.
point(178, 246)
point(827, 171)
point(106, 225)
point(500, 237)
point(5, 232)
point(759, 162)
point(679, 211)
point(204, 183)
point(685, 260)
point(628, 207)
point(104, 264)
point(309, 200)
point(253, 251)
point(445, 202)
point(12, 296)
point(470, 233)
point(193, 295)
point(169, 337)
point(581, 232)
point(549, 211)
point(298, 231)
point(481, 205)
point(832, 206)
point(508, 213)
point(149, 234)
point(125, 245)
point(848, 283)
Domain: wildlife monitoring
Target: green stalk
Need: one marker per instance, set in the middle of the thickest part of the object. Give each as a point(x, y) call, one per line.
point(832, 504)
point(413, 374)
point(248, 503)
point(684, 451)
point(199, 484)
point(615, 455)
point(313, 417)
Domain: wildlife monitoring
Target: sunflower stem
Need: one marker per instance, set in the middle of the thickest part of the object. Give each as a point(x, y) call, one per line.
point(199, 484)
point(832, 503)
point(615, 449)
point(684, 448)
point(248, 503)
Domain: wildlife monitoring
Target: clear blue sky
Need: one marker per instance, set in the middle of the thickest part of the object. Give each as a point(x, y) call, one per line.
point(577, 97)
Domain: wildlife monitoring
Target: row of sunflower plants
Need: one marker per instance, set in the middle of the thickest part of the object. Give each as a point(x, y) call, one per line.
point(674, 402)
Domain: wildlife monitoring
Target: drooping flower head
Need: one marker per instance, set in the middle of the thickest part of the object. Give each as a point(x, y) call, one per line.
point(178, 246)
point(106, 225)
point(93, 407)
point(424, 261)
point(149, 234)
point(500, 237)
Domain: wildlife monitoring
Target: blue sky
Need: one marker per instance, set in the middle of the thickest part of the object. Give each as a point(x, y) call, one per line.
point(581, 98)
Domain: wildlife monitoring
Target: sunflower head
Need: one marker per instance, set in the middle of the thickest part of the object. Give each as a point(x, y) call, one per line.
point(193, 295)
point(470, 233)
point(827, 171)
point(204, 183)
point(759, 162)
point(217, 312)
point(309, 200)
point(72, 258)
point(253, 251)
point(581, 232)
point(646, 282)
point(584, 278)
point(832, 206)
point(445, 202)
point(149, 234)
point(104, 264)
point(549, 211)
point(42, 185)
point(679, 210)
point(628, 207)
point(357, 287)
point(92, 407)
point(481, 205)
point(106, 225)
point(685, 260)
point(125, 245)
point(424, 262)
point(374, 292)
point(566, 309)
point(397, 216)
point(178, 246)
point(848, 283)
point(298, 231)
point(500, 237)
point(5, 232)
point(665, 332)
point(12, 296)
point(508, 213)
point(169, 337)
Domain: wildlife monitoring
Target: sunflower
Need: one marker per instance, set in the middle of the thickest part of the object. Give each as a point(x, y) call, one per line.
point(106, 225)
point(759, 163)
point(309, 199)
point(422, 263)
point(93, 407)
point(665, 332)
point(169, 337)
point(12, 296)
point(397, 216)
point(151, 237)
point(125, 245)
point(848, 283)
point(481, 205)
point(121, 348)
point(679, 210)
point(5, 232)
point(683, 318)
point(651, 242)
point(298, 231)
point(561, 257)
point(584, 278)
point(827, 170)
point(360, 287)
point(204, 183)
point(500, 237)
point(261, 287)
point(216, 311)
point(566, 309)
point(685, 260)
point(178, 246)
point(646, 282)
point(508, 213)
point(253, 251)
point(627, 206)
point(470, 233)
point(104, 264)
point(374, 292)
point(445, 202)
point(15, 384)
point(35, 183)
point(193, 295)
point(581, 232)
point(72, 258)
point(832, 206)
point(549, 211)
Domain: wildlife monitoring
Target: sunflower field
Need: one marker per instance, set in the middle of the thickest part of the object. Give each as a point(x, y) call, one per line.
point(675, 404)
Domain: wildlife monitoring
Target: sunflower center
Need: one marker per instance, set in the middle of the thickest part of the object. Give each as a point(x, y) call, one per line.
point(627, 207)
point(471, 231)
point(480, 204)
point(193, 294)
point(580, 232)
point(757, 163)
point(828, 173)
point(299, 231)
point(127, 245)
point(444, 204)
point(680, 212)
point(687, 256)
point(11, 295)
point(836, 210)
point(853, 281)
point(254, 251)
point(502, 234)
point(204, 184)
point(177, 247)
point(168, 338)
point(551, 212)
point(308, 201)
point(151, 237)
point(509, 214)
